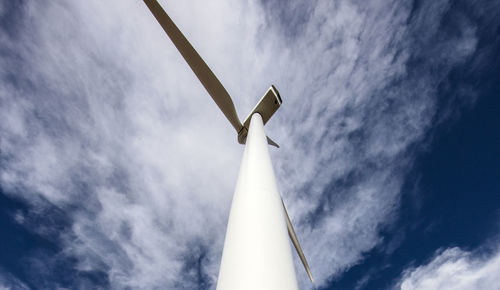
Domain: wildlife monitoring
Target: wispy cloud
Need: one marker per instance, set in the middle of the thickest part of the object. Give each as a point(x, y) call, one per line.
point(9, 282)
point(101, 117)
point(454, 268)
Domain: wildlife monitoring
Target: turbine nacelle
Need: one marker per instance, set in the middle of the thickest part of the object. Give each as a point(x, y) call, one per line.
point(266, 108)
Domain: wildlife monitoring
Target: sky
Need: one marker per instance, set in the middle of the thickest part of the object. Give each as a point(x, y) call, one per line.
point(117, 169)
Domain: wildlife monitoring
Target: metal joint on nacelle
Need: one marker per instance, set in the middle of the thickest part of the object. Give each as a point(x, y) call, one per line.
point(242, 135)
point(266, 107)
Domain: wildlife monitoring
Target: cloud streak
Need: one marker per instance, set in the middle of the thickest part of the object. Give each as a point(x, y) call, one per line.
point(454, 268)
point(102, 119)
point(8, 281)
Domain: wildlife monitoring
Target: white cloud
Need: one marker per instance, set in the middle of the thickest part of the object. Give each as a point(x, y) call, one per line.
point(454, 268)
point(106, 116)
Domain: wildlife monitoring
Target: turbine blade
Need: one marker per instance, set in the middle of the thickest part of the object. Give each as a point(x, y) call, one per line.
point(295, 241)
point(272, 143)
point(199, 67)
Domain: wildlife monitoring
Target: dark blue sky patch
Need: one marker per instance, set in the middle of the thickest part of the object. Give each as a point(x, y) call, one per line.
point(451, 196)
point(31, 247)
point(17, 242)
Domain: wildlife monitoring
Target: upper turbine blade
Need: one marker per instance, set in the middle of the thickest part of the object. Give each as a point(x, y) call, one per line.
point(295, 241)
point(199, 67)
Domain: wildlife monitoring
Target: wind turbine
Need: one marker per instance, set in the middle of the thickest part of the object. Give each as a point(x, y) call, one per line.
point(257, 254)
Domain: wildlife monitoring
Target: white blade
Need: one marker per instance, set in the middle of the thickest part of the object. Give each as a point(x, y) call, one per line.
point(295, 241)
point(199, 67)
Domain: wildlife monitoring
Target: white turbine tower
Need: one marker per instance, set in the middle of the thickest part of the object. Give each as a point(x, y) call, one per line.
point(257, 254)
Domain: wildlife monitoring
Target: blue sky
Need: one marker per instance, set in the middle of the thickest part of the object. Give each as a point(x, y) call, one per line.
point(117, 170)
